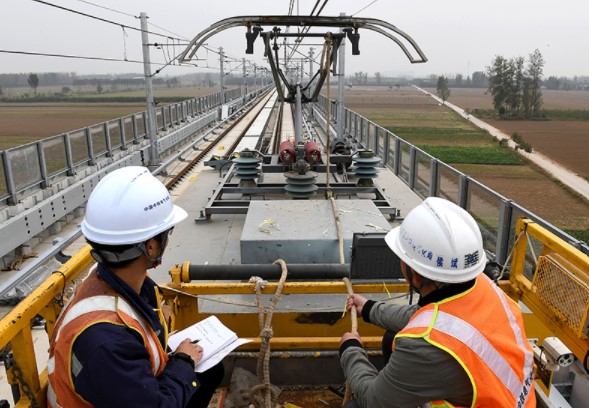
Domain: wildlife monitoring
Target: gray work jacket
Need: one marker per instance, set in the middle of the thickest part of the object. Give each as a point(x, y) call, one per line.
point(416, 373)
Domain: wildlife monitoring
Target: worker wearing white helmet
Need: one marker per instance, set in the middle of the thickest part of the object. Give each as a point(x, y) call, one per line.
point(463, 344)
point(109, 345)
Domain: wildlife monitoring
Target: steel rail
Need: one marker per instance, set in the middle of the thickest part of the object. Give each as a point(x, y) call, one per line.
point(207, 149)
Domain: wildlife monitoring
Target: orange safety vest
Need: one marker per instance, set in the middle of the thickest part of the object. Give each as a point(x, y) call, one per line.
point(94, 302)
point(483, 330)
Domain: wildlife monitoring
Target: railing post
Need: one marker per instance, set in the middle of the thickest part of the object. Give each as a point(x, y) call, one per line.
point(91, 158)
point(134, 127)
point(386, 143)
point(397, 156)
point(144, 116)
point(463, 191)
point(412, 167)
point(42, 164)
point(10, 187)
point(163, 118)
point(122, 133)
point(372, 126)
point(68, 154)
point(504, 231)
point(434, 180)
point(106, 131)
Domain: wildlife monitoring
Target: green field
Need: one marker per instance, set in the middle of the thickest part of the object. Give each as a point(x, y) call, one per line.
point(443, 136)
point(473, 155)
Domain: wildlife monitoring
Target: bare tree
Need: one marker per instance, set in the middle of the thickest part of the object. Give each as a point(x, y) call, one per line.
point(33, 81)
point(534, 75)
point(442, 88)
point(498, 74)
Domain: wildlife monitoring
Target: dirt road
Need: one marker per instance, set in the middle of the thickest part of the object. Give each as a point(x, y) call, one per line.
point(565, 176)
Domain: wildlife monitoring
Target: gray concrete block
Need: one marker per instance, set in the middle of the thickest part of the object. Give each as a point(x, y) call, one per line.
point(304, 231)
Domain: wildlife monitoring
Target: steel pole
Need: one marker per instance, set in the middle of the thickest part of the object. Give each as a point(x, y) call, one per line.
point(340, 90)
point(151, 124)
point(221, 60)
point(244, 81)
point(298, 116)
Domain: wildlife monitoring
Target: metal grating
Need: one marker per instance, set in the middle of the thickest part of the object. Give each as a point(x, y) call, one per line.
point(562, 292)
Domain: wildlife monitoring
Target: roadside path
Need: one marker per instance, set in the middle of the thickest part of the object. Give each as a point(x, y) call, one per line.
point(564, 175)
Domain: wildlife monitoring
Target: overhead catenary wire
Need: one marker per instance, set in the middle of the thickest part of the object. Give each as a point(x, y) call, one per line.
point(98, 18)
point(168, 61)
point(364, 8)
point(306, 29)
point(44, 54)
point(107, 8)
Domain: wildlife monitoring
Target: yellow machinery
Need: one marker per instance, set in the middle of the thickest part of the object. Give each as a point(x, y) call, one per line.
point(556, 291)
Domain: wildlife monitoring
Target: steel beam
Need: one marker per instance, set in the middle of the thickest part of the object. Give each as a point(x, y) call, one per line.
point(350, 23)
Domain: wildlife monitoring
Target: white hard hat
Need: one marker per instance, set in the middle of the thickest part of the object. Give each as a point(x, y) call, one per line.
point(129, 206)
point(440, 241)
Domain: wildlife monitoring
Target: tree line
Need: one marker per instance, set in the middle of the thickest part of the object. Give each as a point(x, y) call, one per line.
point(516, 87)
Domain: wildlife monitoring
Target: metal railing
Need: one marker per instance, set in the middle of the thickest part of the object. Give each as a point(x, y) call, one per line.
point(35, 166)
point(48, 209)
point(428, 176)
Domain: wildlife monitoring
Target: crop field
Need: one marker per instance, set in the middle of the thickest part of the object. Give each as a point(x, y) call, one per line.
point(567, 142)
point(25, 123)
point(22, 123)
point(419, 119)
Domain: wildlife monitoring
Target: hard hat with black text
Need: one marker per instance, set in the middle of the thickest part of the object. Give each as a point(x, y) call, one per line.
point(128, 206)
point(440, 241)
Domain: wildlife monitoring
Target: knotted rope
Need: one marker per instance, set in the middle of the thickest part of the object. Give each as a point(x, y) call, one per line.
point(354, 317)
point(262, 395)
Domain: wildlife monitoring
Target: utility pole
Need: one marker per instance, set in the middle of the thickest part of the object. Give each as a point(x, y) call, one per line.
point(302, 71)
point(244, 81)
point(221, 60)
point(340, 91)
point(255, 76)
point(310, 64)
point(151, 125)
point(298, 117)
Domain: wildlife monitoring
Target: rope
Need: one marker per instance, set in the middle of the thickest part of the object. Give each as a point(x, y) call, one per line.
point(354, 317)
point(262, 395)
point(510, 254)
point(204, 298)
point(327, 54)
point(338, 225)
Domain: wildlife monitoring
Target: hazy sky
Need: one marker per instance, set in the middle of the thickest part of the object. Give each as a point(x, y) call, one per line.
point(457, 36)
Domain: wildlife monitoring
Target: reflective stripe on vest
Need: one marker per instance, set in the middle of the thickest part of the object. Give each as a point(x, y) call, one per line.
point(51, 397)
point(528, 369)
point(472, 338)
point(109, 304)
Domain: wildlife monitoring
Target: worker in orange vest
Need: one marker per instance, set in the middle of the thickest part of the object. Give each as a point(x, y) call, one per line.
point(109, 344)
point(463, 344)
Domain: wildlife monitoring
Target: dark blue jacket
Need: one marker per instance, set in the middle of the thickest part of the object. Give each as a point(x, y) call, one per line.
point(115, 370)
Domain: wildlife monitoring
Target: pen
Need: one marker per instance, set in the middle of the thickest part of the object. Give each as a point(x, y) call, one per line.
point(195, 341)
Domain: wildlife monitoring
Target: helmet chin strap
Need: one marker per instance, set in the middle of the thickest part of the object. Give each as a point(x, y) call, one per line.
point(154, 261)
point(410, 272)
point(158, 260)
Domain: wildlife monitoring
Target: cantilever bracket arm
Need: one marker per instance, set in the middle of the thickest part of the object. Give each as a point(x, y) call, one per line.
point(401, 38)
